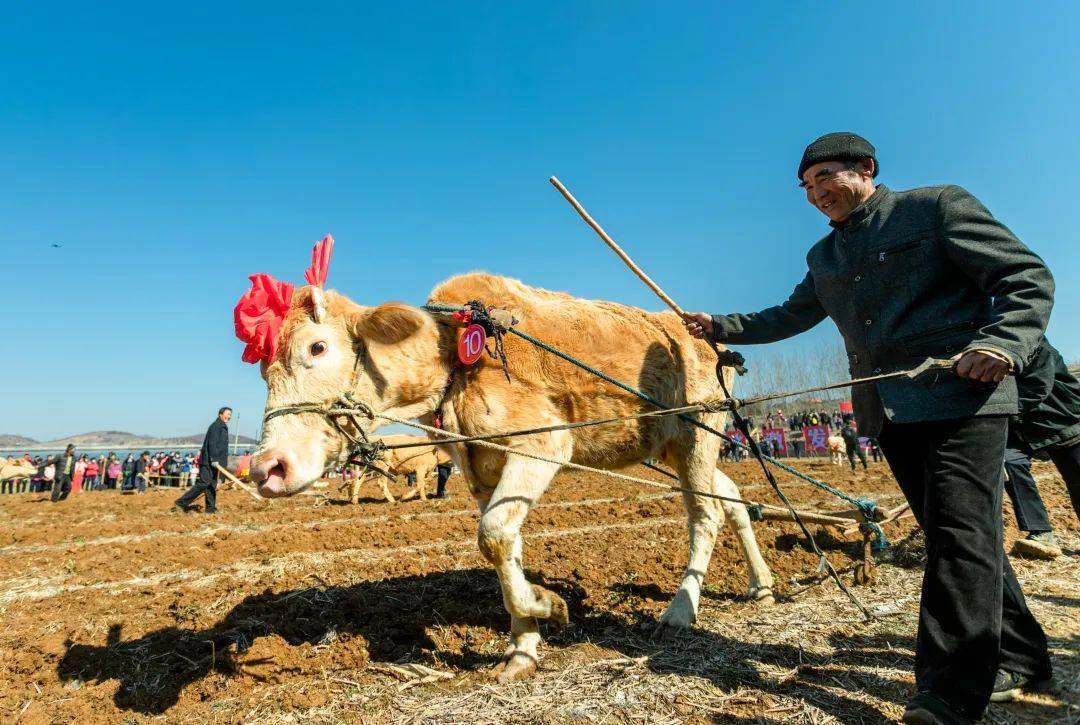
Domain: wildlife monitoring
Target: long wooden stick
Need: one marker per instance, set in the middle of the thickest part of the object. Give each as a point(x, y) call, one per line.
point(616, 248)
point(225, 472)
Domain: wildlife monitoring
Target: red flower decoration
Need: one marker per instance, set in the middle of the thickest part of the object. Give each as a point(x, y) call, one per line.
point(320, 262)
point(259, 314)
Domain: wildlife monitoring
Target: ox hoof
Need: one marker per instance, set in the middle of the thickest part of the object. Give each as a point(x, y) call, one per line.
point(559, 612)
point(680, 614)
point(517, 666)
point(762, 596)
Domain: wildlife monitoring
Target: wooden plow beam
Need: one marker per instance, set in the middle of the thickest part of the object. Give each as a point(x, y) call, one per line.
point(233, 479)
point(850, 522)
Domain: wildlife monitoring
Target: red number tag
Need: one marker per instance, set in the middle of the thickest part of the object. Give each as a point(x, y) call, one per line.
point(470, 344)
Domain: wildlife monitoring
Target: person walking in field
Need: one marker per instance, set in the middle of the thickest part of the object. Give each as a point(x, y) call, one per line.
point(215, 449)
point(64, 470)
point(851, 445)
point(1048, 425)
point(907, 275)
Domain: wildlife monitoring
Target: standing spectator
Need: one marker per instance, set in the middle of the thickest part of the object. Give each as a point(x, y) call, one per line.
point(79, 474)
point(185, 471)
point(113, 472)
point(171, 469)
point(128, 470)
point(64, 470)
point(90, 476)
point(193, 475)
point(154, 468)
point(142, 473)
point(215, 449)
point(48, 477)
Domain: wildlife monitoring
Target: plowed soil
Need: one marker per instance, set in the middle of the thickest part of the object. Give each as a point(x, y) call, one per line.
point(115, 609)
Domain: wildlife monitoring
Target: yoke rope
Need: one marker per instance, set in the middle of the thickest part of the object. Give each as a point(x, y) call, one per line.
point(866, 506)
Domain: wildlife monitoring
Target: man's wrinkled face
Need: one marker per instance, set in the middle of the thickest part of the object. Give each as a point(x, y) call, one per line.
point(835, 188)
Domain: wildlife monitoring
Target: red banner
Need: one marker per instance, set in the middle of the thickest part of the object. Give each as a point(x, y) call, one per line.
point(736, 434)
point(845, 407)
point(778, 436)
point(816, 437)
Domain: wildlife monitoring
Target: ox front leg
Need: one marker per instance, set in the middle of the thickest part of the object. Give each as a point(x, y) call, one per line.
point(761, 579)
point(703, 520)
point(522, 482)
point(354, 488)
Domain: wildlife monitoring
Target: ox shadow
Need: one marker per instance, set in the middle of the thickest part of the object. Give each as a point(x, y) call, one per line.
point(396, 616)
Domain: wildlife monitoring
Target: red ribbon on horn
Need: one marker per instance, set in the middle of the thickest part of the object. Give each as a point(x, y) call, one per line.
point(259, 314)
point(320, 262)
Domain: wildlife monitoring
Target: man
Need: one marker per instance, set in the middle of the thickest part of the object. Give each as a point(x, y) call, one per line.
point(141, 473)
point(65, 469)
point(1048, 424)
point(851, 444)
point(215, 449)
point(905, 276)
point(443, 471)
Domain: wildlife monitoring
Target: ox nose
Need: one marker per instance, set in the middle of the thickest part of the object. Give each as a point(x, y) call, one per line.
point(270, 470)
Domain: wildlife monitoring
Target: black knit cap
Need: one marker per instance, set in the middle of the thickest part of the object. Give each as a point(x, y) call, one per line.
point(841, 145)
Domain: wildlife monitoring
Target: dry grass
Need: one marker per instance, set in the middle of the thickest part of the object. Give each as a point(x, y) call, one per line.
point(808, 660)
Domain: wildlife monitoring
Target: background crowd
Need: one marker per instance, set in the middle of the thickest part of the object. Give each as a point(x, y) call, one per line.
point(111, 472)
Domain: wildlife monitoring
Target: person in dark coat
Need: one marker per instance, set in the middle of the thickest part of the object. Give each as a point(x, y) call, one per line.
point(65, 469)
point(908, 275)
point(1048, 425)
point(140, 473)
point(851, 444)
point(443, 471)
point(215, 449)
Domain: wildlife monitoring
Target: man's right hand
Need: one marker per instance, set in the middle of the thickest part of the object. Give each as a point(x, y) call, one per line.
point(698, 324)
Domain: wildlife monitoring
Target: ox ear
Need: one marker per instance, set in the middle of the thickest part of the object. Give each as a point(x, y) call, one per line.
point(386, 324)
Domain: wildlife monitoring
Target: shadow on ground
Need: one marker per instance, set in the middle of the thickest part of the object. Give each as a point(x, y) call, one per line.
point(394, 617)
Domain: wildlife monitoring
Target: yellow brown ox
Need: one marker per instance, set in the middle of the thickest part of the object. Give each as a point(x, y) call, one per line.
point(420, 461)
point(398, 360)
point(16, 468)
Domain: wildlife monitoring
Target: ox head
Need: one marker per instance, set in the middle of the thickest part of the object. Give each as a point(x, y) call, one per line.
point(385, 356)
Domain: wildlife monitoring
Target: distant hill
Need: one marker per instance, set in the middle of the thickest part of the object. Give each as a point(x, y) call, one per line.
point(13, 440)
point(114, 439)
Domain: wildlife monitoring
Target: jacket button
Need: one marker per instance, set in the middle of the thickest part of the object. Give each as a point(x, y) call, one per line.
point(868, 323)
point(858, 278)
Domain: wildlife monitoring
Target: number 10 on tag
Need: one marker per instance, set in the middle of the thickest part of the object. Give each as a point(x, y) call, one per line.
point(470, 344)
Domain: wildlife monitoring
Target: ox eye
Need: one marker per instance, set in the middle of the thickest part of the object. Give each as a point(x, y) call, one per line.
point(317, 348)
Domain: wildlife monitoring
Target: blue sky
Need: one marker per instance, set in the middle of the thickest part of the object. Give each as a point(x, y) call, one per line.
point(173, 150)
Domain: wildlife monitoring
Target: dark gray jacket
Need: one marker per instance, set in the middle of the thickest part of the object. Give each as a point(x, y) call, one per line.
point(913, 274)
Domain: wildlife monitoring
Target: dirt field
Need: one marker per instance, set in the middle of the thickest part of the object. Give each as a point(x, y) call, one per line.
point(116, 610)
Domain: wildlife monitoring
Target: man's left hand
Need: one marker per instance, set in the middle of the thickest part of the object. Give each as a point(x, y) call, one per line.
point(982, 366)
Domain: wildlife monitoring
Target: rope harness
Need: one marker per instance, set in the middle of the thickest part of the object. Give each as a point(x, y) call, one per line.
point(364, 452)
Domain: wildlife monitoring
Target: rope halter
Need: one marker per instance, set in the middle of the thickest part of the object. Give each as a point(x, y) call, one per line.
point(361, 450)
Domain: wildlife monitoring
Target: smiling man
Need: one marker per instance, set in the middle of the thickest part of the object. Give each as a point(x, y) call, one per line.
point(907, 275)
